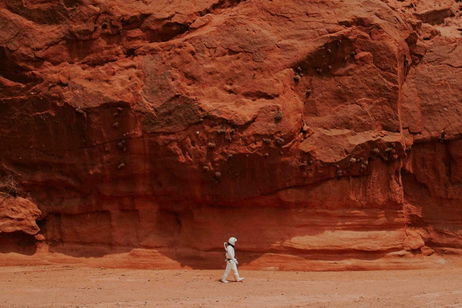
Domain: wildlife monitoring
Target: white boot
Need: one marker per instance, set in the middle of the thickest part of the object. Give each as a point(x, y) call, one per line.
point(236, 274)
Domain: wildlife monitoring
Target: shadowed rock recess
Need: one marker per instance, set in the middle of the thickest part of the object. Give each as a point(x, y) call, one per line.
point(323, 134)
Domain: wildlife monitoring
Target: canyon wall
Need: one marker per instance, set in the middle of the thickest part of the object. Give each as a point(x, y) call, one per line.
point(323, 134)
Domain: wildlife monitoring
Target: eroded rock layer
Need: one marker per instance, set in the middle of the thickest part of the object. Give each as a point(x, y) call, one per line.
point(323, 134)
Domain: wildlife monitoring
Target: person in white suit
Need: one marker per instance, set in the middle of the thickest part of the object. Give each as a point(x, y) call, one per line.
point(231, 261)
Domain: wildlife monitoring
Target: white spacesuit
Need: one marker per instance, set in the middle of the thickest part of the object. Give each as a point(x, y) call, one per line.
point(231, 262)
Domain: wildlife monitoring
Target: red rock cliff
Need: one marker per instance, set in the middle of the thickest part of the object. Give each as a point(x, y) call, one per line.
point(323, 134)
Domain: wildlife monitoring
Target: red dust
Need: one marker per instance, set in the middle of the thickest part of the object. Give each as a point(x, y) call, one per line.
point(70, 286)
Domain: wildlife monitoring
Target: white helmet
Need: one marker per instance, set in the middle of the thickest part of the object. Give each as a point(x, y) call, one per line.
point(232, 240)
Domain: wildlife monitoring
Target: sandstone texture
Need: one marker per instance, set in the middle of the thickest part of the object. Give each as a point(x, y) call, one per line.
point(18, 225)
point(323, 134)
point(18, 214)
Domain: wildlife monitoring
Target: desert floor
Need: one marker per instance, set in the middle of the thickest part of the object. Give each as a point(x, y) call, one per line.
point(75, 286)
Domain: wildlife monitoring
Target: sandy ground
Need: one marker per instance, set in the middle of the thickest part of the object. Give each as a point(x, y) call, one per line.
point(69, 286)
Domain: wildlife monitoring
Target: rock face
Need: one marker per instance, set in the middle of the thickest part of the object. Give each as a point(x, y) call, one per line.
point(323, 134)
point(18, 224)
point(18, 214)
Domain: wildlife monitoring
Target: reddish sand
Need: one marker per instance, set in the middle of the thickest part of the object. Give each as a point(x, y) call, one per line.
point(65, 286)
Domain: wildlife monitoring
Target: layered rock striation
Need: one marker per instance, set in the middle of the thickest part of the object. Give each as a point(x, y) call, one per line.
point(323, 134)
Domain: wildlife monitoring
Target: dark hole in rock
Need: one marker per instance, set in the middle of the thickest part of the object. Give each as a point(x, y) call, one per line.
point(131, 52)
point(167, 32)
point(18, 242)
